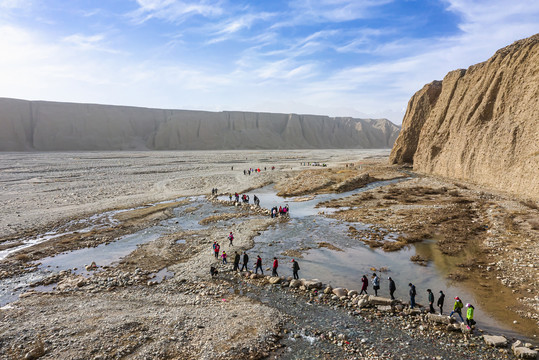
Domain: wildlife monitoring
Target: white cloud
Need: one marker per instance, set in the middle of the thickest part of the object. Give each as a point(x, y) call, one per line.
point(174, 10)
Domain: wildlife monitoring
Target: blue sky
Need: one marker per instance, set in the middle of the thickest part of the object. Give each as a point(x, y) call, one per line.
point(360, 58)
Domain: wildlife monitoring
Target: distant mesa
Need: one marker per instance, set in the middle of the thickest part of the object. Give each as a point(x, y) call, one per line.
point(480, 124)
point(55, 126)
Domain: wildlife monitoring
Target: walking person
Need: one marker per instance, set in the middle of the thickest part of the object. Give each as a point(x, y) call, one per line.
point(216, 250)
point(236, 261)
point(441, 302)
point(224, 256)
point(457, 308)
point(295, 269)
point(375, 283)
point(469, 316)
point(392, 288)
point(259, 265)
point(413, 293)
point(231, 238)
point(365, 285)
point(431, 301)
point(245, 261)
point(275, 266)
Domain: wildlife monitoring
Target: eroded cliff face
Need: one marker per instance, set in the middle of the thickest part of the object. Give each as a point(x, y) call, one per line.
point(54, 126)
point(484, 124)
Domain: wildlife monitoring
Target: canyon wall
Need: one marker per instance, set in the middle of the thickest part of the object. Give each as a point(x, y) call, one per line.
point(479, 124)
point(54, 126)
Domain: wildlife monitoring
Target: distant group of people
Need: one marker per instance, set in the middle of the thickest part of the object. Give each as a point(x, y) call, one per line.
point(214, 191)
point(244, 198)
point(280, 211)
point(253, 170)
point(313, 164)
point(457, 307)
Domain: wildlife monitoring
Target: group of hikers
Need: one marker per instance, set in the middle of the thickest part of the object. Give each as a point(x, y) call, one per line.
point(281, 211)
point(244, 198)
point(457, 307)
point(254, 170)
point(245, 266)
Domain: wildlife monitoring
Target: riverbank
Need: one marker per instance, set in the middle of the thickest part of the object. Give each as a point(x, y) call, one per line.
point(128, 310)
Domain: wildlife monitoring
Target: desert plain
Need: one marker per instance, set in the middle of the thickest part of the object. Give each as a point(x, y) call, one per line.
point(159, 301)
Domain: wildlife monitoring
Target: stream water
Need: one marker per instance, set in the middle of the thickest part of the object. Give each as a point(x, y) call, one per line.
point(305, 229)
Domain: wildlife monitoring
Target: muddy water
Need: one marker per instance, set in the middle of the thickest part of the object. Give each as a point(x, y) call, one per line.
point(307, 228)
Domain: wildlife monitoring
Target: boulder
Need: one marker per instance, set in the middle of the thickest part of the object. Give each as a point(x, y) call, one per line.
point(295, 283)
point(387, 308)
point(363, 302)
point(522, 352)
point(311, 284)
point(377, 300)
point(495, 340)
point(352, 293)
point(340, 292)
point(328, 290)
point(274, 280)
point(439, 319)
point(254, 276)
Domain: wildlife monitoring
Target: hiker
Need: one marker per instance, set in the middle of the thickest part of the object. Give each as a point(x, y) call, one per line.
point(441, 302)
point(295, 269)
point(431, 301)
point(275, 266)
point(457, 308)
point(224, 257)
point(245, 261)
point(214, 245)
point(469, 316)
point(365, 283)
point(375, 284)
point(230, 197)
point(216, 250)
point(231, 238)
point(259, 265)
point(392, 287)
point(213, 271)
point(236, 261)
point(413, 293)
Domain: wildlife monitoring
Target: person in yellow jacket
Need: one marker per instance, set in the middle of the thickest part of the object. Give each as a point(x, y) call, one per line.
point(457, 308)
point(469, 316)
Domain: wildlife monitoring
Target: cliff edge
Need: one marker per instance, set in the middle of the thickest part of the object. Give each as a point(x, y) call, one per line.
point(479, 124)
point(54, 126)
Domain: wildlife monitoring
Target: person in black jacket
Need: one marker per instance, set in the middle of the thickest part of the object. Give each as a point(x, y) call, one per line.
point(259, 265)
point(413, 293)
point(245, 261)
point(236, 261)
point(392, 288)
point(295, 269)
point(431, 301)
point(441, 302)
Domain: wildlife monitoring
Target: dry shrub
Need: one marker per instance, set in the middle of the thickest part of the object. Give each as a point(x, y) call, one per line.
point(23, 257)
point(531, 204)
point(534, 224)
point(454, 193)
point(420, 260)
point(390, 246)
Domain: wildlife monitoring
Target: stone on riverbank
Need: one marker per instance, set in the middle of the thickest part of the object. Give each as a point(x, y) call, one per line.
point(495, 340)
point(340, 292)
point(524, 353)
point(274, 280)
point(377, 300)
point(295, 283)
point(311, 284)
point(439, 319)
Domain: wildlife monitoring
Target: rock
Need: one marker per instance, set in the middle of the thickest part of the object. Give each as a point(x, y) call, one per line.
point(495, 340)
point(254, 276)
point(328, 290)
point(340, 292)
point(295, 283)
point(384, 308)
point(377, 300)
point(363, 302)
point(522, 352)
point(439, 319)
point(352, 293)
point(312, 284)
point(516, 344)
point(443, 116)
point(274, 280)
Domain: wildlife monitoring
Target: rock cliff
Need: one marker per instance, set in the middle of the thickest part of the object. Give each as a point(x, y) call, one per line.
point(53, 126)
point(479, 124)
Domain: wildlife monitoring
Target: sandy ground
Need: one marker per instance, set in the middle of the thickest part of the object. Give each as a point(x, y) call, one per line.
point(120, 312)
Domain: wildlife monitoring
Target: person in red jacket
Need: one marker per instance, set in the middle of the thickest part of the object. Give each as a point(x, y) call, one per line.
point(275, 266)
point(365, 283)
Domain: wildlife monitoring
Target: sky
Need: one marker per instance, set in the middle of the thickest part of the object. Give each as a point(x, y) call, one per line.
point(358, 58)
